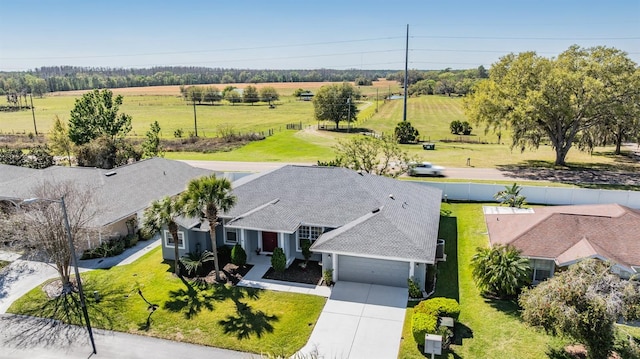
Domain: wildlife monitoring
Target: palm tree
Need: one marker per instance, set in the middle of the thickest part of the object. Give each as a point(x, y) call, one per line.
point(500, 270)
point(163, 213)
point(511, 196)
point(206, 197)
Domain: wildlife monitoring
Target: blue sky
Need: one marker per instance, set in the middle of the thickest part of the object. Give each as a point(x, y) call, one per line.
point(306, 34)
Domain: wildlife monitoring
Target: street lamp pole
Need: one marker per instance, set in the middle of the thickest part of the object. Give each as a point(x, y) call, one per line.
point(75, 267)
point(75, 262)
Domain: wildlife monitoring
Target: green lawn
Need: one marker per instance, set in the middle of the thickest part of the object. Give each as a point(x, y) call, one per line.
point(283, 146)
point(490, 328)
point(236, 318)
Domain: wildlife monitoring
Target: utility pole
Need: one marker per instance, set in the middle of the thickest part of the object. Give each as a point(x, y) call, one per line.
point(33, 112)
point(195, 118)
point(377, 100)
point(406, 76)
point(349, 116)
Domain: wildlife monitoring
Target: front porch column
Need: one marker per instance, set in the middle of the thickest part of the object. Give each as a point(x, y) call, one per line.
point(412, 269)
point(334, 259)
point(243, 243)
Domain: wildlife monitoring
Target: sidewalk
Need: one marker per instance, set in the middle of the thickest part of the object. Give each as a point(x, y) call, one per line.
point(261, 265)
point(128, 256)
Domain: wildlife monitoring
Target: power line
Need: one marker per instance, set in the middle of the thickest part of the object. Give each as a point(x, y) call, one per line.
point(527, 38)
point(203, 51)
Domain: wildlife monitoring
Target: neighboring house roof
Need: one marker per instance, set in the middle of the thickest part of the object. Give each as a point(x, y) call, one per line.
point(9, 173)
point(569, 233)
point(119, 192)
point(369, 215)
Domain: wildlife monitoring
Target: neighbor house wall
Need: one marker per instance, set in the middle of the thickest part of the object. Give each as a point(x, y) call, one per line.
point(168, 252)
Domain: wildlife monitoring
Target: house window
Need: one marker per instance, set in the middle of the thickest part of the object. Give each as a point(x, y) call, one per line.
point(542, 269)
point(307, 232)
point(168, 239)
point(231, 235)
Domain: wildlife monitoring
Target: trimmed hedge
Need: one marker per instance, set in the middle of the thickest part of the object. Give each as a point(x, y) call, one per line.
point(425, 318)
point(440, 307)
point(278, 260)
point(238, 255)
point(421, 324)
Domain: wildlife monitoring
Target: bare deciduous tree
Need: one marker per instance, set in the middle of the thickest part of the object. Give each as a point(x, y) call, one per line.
point(41, 229)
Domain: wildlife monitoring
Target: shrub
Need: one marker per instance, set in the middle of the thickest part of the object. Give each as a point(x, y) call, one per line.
point(455, 127)
point(327, 276)
point(194, 262)
point(108, 248)
point(422, 324)
point(447, 336)
point(144, 234)
point(130, 240)
point(414, 289)
point(278, 260)
point(238, 255)
point(439, 306)
point(306, 249)
point(224, 252)
point(406, 133)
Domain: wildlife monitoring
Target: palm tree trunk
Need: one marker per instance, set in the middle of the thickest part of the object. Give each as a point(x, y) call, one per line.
point(173, 229)
point(214, 248)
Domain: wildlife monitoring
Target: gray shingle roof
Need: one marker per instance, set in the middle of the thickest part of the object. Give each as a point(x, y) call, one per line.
point(128, 190)
point(405, 227)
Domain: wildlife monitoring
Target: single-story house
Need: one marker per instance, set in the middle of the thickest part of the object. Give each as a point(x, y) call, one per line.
point(556, 237)
point(120, 195)
point(365, 228)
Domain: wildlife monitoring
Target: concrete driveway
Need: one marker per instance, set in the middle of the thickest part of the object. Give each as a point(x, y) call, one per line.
point(359, 321)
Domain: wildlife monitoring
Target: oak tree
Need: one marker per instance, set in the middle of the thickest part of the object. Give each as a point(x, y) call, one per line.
point(557, 100)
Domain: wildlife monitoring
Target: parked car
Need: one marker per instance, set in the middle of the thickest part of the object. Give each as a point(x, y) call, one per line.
point(425, 169)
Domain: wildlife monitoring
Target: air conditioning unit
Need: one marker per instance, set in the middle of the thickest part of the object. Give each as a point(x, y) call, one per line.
point(441, 256)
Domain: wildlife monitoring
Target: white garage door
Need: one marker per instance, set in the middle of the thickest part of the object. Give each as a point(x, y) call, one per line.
point(375, 271)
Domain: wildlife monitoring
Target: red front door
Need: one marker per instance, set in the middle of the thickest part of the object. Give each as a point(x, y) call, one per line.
point(269, 241)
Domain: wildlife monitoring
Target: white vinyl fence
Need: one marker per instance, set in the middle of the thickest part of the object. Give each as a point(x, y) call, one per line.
point(479, 192)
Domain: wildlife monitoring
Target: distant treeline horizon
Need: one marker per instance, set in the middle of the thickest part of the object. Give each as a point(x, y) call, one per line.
point(69, 78)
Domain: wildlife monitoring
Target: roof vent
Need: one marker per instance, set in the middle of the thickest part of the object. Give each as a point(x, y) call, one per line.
point(376, 210)
point(391, 196)
point(111, 173)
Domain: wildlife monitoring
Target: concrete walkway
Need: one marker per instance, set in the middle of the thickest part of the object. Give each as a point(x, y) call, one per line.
point(261, 265)
point(359, 321)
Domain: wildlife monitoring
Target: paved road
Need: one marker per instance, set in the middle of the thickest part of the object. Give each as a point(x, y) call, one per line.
point(227, 166)
point(28, 337)
point(508, 173)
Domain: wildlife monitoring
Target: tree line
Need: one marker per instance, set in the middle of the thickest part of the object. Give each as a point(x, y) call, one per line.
point(69, 78)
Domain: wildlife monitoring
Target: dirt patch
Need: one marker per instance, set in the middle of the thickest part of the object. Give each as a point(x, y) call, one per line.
point(311, 274)
point(53, 289)
point(229, 274)
point(578, 351)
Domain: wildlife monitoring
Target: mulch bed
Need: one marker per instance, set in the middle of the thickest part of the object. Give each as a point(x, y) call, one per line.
point(312, 274)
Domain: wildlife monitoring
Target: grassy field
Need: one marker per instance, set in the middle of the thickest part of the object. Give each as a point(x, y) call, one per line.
point(431, 115)
point(165, 105)
point(490, 328)
point(236, 318)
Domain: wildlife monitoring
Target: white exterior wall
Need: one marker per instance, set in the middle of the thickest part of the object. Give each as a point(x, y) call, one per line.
point(481, 192)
